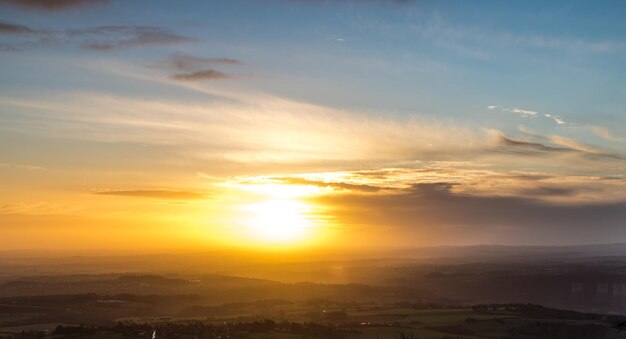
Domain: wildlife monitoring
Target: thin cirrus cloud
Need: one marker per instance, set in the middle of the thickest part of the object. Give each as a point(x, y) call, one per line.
point(154, 193)
point(51, 5)
point(101, 38)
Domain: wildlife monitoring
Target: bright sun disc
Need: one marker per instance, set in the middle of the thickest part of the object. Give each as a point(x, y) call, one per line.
point(279, 220)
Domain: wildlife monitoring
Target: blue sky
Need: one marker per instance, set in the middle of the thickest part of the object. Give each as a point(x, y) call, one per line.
point(437, 58)
point(295, 87)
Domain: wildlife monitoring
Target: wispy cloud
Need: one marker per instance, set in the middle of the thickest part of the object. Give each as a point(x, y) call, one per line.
point(575, 145)
point(526, 113)
point(155, 193)
point(194, 68)
point(9, 48)
point(185, 62)
point(208, 74)
point(605, 134)
point(277, 130)
point(523, 112)
point(51, 5)
point(349, 1)
point(21, 166)
point(101, 38)
point(7, 28)
point(39, 208)
point(332, 184)
point(105, 38)
point(527, 146)
point(561, 144)
point(558, 120)
point(337, 39)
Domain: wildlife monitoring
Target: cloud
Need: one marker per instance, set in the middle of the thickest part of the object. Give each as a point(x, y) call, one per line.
point(526, 113)
point(155, 193)
point(6, 28)
point(39, 208)
point(9, 48)
point(462, 178)
point(573, 144)
point(52, 5)
point(565, 145)
point(185, 62)
point(558, 120)
point(605, 134)
point(337, 39)
point(523, 112)
point(336, 185)
point(277, 130)
point(207, 74)
point(549, 191)
point(106, 38)
point(349, 1)
point(529, 147)
point(194, 68)
point(433, 212)
point(101, 38)
point(21, 166)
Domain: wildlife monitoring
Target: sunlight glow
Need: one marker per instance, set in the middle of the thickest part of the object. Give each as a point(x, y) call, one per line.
point(279, 220)
point(275, 212)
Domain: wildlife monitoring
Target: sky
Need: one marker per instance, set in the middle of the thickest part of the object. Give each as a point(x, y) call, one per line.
point(282, 124)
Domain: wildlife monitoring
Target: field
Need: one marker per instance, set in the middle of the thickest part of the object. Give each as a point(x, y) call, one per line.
point(300, 321)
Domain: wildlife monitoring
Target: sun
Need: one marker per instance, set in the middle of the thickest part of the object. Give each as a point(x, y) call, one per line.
point(282, 221)
point(272, 213)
